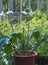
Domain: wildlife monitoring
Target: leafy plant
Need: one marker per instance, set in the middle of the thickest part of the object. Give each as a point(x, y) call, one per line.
point(43, 48)
point(35, 40)
point(20, 41)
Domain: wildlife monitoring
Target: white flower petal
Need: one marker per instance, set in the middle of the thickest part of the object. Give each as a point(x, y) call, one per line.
point(9, 12)
point(2, 14)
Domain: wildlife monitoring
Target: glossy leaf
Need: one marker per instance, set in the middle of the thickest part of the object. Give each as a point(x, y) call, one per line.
point(8, 49)
point(34, 33)
point(44, 38)
point(3, 40)
point(15, 36)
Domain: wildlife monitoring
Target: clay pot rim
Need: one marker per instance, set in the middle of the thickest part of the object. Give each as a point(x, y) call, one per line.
point(33, 55)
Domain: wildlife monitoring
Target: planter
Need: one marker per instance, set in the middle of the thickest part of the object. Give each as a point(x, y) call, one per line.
point(24, 60)
point(41, 60)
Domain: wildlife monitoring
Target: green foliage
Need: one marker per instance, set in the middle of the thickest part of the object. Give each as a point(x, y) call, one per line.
point(39, 41)
point(22, 41)
point(35, 33)
point(3, 40)
point(8, 49)
point(15, 36)
point(43, 48)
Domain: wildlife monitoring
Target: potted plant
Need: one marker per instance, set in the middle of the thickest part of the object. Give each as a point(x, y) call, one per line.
point(22, 44)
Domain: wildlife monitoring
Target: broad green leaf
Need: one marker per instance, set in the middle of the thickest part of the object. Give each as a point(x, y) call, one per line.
point(8, 49)
point(1, 33)
point(36, 35)
point(15, 36)
point(44, 38)
point(3, 40)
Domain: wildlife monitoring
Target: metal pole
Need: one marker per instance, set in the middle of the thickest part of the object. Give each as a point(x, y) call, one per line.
point(47, 5)
point(10, 7)
point(29, 4)
point(0, 8)
point(20, 10)
point(38, 4)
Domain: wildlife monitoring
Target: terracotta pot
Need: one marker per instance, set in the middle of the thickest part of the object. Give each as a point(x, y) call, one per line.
point(24, 60)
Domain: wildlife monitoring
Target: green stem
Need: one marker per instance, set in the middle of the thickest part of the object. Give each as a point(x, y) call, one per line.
point(17, 52)
point(28, 37)
point(23, 40)
point(12, 27)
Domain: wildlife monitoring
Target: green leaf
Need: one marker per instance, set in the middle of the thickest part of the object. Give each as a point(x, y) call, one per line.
point(1, 33)
point(15, 36)
point(44, 38)
point(36, 35)
point(3, 40)
point(8, 49)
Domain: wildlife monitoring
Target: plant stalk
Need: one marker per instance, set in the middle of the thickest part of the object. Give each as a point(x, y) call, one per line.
point(18, 53)
point(23, 40)
point(28, 37)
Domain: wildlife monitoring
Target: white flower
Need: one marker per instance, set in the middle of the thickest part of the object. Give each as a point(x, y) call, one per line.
point(9, 12)
point(31, 12)
point(23, 12)
point(2, 13)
